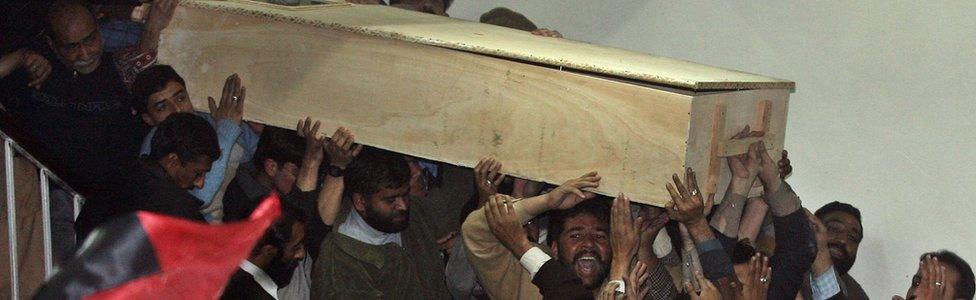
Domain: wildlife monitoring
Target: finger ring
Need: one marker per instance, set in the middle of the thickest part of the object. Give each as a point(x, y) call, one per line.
point(234, 98)
point(694, 192)
point(763, 279)
point(938, 283)
point(489, 181)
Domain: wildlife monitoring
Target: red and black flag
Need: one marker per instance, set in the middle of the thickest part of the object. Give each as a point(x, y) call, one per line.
point(151, 256)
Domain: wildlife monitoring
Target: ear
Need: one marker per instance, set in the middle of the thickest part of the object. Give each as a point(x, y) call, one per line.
point(554, 246)
point(270, 167)
point(145, 118)
point(170, 162)
point(359, 202)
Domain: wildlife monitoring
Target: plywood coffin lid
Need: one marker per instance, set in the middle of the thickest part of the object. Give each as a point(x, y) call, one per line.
point(387, 22)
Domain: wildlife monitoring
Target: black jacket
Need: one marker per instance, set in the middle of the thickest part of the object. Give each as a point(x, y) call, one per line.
point(142, 185)
point(243, 286)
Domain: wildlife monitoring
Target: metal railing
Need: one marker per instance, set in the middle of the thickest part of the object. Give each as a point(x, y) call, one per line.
point(46, 177)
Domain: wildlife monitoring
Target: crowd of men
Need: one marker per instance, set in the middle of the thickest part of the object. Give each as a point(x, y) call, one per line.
point(89, 92)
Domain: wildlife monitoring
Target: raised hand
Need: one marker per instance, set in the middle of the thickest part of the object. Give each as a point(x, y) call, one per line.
point(708, 290)
point(505, 224)
point(785, 168)
point(609, 291)
point(756, 282)
point(687, 205)
point(571, 192)
point(623, 236)
point(649, 222)
point(160, 14)
point(231, 105)
point(745, 167)
point(342, 148)
point(932, 285)
point(769, 172)
point(313, 141)
point(637, 287)
point(487, 178)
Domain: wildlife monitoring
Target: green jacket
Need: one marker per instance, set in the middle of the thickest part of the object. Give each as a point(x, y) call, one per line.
point(350, 269)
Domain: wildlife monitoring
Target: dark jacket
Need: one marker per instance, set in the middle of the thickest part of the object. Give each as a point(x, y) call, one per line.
point(83, 121)
point(556, 280)
point(350, 269)
point(244, 193)
point(243, 286)
point(140, 186)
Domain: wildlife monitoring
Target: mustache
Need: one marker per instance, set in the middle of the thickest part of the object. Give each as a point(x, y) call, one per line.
point(840, 248)
point(86, 63)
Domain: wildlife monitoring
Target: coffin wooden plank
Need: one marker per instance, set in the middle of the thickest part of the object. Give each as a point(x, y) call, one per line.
point(453, 106)
point(387, 22)
point(740, 110)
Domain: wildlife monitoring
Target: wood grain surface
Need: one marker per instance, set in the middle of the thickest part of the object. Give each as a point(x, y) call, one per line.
point(543, 123)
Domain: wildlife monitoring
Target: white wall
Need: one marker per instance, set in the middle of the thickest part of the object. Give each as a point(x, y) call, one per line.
point(883, 116)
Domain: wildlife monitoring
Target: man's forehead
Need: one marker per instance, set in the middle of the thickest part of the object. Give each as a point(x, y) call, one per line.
point(585, 221)
point(72, 24)
point(393, 191)
point(845, 218)
point(168, 93)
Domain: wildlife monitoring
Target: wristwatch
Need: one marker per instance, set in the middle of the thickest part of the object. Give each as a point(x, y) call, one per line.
point(336, 171)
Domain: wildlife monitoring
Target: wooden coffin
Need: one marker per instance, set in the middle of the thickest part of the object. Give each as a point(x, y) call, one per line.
point(454, 91)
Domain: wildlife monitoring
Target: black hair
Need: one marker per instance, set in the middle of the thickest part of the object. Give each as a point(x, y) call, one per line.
point(598, 207)
point(280, 145)
point(187, 135)
point(840, 207)
point(151, 81)
point(281, 230)
point(374, 169)
point(966, 286)
point(447, 3)
point(505, 17)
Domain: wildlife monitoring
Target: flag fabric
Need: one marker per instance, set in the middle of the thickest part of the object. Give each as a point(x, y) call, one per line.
point(152, 256)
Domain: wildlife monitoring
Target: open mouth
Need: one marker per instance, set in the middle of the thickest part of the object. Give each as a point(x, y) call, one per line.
point(587, 265)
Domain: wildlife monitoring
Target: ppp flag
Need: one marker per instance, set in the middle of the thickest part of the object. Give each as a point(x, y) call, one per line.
point(152, 256)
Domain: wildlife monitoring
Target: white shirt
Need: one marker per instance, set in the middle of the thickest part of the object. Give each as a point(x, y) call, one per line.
point(357, 228)
point(533, 260)
point(262, 278)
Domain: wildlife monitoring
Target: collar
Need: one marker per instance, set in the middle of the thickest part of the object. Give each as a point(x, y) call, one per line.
point(261, 278)
point(357, 228)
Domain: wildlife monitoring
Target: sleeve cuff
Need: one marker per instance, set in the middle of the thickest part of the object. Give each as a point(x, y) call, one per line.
point(662, 244)
point(824, 286)
point(533, 260)
point(783, 201)
point(227, 132)
point(709, 245)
